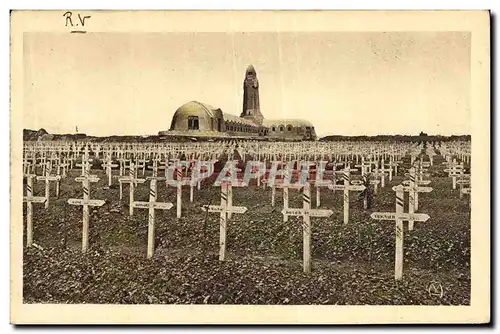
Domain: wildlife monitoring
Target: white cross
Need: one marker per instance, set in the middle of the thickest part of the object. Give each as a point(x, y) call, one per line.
point(141, 163)
point(85, 203)
point(178, 183)
point(306, 213)
point(155, 167)
point(285, 185)
point(399, 216)
point(151, 206)
point(346, 187)
point(224, 208)
point(108, 165)
point(413, 189)
point(365, 166)
point(394, 164)
point(29, 199)
point(85, 164)
point(132, 181)
point(420, 171)
point(43, 163)
point(382, 173)
point(26, 166)
point(64, 166)
point(453, 171)
point(413, 184)
point(48, 178)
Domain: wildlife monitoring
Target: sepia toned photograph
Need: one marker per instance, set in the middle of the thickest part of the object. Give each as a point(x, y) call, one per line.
point(174, 167)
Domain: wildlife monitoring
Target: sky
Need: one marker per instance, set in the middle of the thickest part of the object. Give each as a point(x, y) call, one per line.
point(345, 83)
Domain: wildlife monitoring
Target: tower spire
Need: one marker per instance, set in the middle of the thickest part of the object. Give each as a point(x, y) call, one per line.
point(251, 103)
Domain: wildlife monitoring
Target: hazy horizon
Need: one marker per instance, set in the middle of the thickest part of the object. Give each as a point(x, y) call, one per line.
point(345, 83)
point(324, 135)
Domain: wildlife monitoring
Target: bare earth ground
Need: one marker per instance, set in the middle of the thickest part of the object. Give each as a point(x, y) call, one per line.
point(353, 264)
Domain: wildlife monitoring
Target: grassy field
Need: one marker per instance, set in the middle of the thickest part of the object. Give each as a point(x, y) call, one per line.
point(352, 263)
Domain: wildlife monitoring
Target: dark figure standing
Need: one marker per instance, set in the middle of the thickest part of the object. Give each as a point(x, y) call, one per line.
point(367, 194)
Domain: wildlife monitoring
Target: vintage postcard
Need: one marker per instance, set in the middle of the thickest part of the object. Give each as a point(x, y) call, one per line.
point(250, 167)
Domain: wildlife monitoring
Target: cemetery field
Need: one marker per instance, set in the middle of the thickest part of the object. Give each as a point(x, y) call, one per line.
point(352, 264)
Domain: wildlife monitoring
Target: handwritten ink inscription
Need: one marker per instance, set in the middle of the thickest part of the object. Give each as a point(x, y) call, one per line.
point(76, 22)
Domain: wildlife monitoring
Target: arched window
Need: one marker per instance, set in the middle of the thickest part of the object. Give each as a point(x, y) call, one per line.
point(273, 129)
point(308, 131)
point(193, 123)
point(289, 128)
point(281, 128)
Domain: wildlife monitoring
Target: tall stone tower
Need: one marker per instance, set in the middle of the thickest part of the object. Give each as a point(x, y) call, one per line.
point(251, 104)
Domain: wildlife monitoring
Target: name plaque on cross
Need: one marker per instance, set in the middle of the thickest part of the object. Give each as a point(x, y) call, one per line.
point(224, 209)
point(86, 202)
point(399, 216)
point(306, 212)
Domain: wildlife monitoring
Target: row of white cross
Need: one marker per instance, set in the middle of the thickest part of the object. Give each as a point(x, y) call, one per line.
point(456, 172)
point(413, 187)
point(226, 208)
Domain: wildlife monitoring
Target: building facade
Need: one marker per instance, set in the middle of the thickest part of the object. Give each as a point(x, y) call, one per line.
point(197, 119)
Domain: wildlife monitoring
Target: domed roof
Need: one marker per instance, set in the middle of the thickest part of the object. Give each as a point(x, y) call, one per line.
point(285, 122)
point(195, 108)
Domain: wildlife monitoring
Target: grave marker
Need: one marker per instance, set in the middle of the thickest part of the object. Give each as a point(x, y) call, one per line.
point(285, 185)
point(306, 212)
point(346, 187)
point(399, 216)
point(151, 206)
point(223, 209)
point(178, 183)
point(109, 171)
point(29, 199)
point(454, 169)
point(85, 164)
point(415, 189)
point(85, 203)
point(48, 178)
point(132, 182)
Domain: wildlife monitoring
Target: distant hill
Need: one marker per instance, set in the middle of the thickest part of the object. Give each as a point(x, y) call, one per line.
point(42, 135)
point(36, 135)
